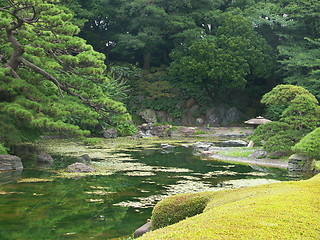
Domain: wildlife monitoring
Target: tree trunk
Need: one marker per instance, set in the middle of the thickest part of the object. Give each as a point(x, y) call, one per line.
point(17, 53)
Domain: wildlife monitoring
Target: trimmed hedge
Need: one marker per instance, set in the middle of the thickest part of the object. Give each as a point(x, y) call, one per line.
point(176, 208)
point(309, 145)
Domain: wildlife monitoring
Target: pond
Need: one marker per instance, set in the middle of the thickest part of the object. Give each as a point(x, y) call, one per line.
point(45, 204)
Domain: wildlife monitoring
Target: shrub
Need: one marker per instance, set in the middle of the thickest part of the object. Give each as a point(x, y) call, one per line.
point(3, 150)
point(300, 115)
point(310, 144)
point(176, 208)
point(126, 129)
point(276, 136)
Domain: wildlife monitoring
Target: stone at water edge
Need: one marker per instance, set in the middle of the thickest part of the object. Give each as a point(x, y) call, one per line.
point(200, 146)
point(110, 133)
point(85, 158)
point(79, 167)
point(300, 163)
point(10, 162)
point(233, 143)
point(44, 158)
point(143, 229)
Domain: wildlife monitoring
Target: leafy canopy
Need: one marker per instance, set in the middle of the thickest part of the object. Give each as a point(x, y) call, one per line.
point(221, 62)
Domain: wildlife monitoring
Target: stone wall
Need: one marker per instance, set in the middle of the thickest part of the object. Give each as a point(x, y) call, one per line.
point(214, 116)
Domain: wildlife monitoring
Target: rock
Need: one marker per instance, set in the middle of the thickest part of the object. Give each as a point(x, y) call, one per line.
point(166, 146)
point(233, 143)
point(10, 162)
point(187, 130)
point(258, 154)
point(85, 158)
point(79, 167)
point(222, 116)
point(214, 116)
point(145, 127)
point(231, 115)
point(143, 229)
point(161, 131)
point(44, 158)
point(190, 115)
point(300, 163)
point(110, 133)
point(145, 134)
point(145, 130)
point(199, 146)
point(148, 115)
point(163, 116)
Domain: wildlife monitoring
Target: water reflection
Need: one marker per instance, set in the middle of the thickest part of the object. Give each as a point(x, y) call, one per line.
point(115, 204)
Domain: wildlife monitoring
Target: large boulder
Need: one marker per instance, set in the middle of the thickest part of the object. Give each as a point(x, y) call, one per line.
point(148, 115)
point(80, 167)
point(187, 131)
point(222, 116)
point(231, 115)
point(202, 146)
point(300, 163)
point(10, 162)
point(85, 158)
point(214, 116)
point(44, 158)
point(233, 143)
point(258, 154)
point(110, 133)
point(161, 131)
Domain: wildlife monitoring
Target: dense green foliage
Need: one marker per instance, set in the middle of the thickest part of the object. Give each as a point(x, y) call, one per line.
point(222, 62)
point(3, 150)
point(160, 53)
point(298, 113)
point(310, 144)
point(51, 80)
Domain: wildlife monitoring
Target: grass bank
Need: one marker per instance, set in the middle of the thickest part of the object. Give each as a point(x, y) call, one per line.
point(286, 210)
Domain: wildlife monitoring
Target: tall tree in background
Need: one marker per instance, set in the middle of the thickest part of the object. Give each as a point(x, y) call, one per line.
point(300, 48)
point(223, 61)
point(293, 27)
point(50, 79)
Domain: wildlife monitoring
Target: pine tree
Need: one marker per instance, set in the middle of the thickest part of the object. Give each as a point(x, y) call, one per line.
point(50, 79)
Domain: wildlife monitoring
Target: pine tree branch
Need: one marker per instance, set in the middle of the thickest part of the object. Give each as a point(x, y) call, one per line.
point(66, 88)
point(43, 73)
point(14, 73)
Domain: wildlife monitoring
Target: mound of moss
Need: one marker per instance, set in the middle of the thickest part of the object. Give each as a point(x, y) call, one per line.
point(176, 208)
point(286, 210)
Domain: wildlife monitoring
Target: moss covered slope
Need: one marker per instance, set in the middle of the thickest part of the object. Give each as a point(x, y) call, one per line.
point(286, 210)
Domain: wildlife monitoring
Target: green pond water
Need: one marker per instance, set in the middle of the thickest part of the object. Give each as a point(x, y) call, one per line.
point(113, 204)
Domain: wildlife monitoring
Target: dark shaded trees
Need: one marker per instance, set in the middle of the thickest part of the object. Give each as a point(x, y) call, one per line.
point(221, 62)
